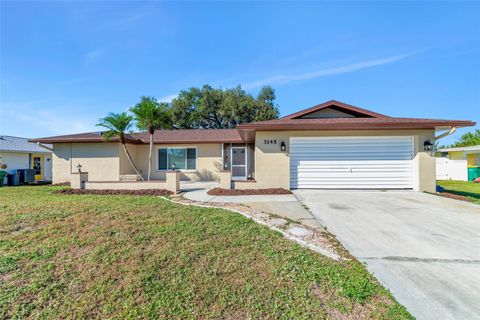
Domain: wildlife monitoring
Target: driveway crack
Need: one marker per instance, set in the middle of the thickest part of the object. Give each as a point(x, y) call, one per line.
point(428, 260)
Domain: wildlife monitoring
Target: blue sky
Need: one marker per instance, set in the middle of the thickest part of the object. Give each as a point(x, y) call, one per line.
point(66, 64)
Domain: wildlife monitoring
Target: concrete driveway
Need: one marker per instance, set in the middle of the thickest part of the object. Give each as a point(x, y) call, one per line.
point(424, 248)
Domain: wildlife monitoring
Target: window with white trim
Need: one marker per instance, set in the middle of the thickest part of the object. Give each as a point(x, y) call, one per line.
point(183, 158)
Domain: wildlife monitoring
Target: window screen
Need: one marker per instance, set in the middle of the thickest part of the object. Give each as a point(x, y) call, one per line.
point(191, 158)
point(183, 158)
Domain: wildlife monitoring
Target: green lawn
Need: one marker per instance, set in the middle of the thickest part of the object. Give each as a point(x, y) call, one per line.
point(464, 188)
point(117, 257)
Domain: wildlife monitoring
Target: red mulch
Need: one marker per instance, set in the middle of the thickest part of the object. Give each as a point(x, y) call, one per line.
point(454, 196)
point(146, 192)
point(246, 192)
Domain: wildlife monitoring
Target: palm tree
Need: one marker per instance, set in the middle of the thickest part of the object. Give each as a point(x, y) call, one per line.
point(150, 115)
point(118, 124)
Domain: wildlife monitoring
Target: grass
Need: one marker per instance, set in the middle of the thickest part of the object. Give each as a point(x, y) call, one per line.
point(130, 257)
point(464, 188)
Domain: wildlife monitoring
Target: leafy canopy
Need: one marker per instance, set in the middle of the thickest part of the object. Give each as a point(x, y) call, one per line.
point(117, 125)
point(210, 108)
point(150, 115)
point(468, 139)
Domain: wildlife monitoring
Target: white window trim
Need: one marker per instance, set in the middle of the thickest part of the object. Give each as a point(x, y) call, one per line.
point(181, 170)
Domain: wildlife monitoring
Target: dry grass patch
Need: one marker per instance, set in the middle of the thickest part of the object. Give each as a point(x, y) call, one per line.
point(130, 257)
point(246, 192)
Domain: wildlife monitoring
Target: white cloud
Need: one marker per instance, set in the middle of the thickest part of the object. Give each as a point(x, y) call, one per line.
point(94, 55)
point(59, 123)
point(31, 119)
point(168, 98)
point(282, 79)
point(126, 20)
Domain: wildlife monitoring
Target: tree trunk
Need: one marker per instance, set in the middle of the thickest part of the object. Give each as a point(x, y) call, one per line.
point(130, 160)
point(150, 157)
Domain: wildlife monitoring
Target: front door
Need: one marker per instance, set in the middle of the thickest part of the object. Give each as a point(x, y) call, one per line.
point(239, 163)
point(37, 166)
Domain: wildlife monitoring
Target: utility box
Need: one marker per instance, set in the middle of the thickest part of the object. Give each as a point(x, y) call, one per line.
point(473, 173)
point(26, 176)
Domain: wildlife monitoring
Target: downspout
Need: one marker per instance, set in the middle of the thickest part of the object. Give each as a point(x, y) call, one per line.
point(443, 135)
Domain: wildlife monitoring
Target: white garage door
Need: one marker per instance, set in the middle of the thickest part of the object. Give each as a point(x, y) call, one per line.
point(351, 162)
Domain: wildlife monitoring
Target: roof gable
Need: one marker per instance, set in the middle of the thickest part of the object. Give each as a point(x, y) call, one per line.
point(334, 109)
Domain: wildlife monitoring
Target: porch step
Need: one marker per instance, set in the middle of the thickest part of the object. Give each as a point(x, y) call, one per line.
point(130, 177)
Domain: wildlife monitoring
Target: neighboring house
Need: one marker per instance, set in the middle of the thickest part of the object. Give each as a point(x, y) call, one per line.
point(460, 163)
point(19, 153)
point(471, 154)
point(331, 145)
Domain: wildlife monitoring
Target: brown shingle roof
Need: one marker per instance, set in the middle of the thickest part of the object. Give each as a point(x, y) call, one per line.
point(354, 124)
point(364, 120)
point(160, 136)
point(192, 136)
point(80, 137)
point(337, 105)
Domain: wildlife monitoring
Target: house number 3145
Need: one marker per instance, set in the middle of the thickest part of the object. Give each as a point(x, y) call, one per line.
point(271, 141)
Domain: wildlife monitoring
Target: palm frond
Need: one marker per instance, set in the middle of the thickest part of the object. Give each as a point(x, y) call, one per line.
point(150, 115)
point(117, 124)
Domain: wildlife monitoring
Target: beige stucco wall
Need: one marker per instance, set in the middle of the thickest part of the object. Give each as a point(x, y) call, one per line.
point(209, 161)
point(100, 160)
point(272, 166)
point(61, 161)
point(125, 166)
point(106, 161)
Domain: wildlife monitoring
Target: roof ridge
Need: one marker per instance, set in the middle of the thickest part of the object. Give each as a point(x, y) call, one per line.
point(335, 103)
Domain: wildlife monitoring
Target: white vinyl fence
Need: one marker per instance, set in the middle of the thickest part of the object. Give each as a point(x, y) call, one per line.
point(451, 169)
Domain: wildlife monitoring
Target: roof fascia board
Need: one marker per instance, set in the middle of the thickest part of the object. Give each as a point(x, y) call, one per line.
point(339, 105)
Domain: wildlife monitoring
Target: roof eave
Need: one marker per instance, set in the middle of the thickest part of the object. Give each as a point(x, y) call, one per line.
point(338, 104)
point(356, 126)
point(139, 142)
point(82, 140)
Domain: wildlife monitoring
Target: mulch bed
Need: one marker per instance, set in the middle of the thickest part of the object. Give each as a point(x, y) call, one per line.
point(63, 184)
point(146, 192)
point(246, 192)
point(454, 196)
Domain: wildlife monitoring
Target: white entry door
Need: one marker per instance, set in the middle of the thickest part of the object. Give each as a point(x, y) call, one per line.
point(239, 163)
point(351, 162)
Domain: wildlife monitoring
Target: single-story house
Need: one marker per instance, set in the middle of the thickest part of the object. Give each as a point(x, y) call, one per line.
point(459, 163)
point(471, 154)
point(18, 153)
point(330, 145)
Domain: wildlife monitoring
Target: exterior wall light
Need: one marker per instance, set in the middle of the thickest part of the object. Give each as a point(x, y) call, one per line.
point(283, 147)
point(427, 145)
point(79, 168)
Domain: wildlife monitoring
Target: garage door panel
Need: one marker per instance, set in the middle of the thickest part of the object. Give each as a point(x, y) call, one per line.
point(351, 162)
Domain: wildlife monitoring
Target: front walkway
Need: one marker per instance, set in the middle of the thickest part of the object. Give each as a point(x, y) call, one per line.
point(283, 205)
point(282, 213)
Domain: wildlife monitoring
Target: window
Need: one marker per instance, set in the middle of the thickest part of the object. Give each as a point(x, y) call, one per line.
point(183, 158)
